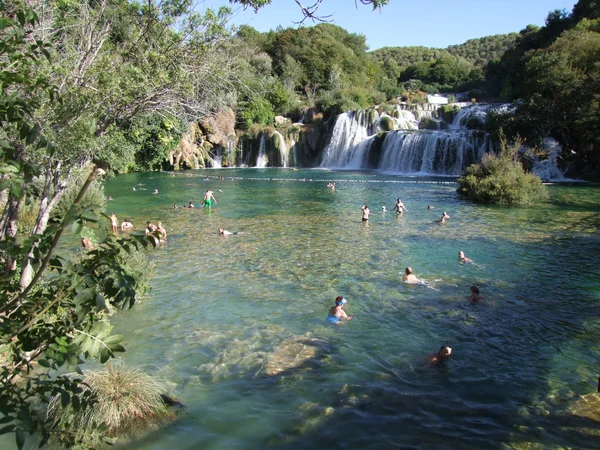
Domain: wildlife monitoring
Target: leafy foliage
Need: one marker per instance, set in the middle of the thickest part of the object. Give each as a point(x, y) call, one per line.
point(121, 399)
point(501, 179)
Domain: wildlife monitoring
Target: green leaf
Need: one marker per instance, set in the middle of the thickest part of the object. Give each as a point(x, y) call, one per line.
point(6, 419)
point(100, 302)
point(32, 135)
point(7, 429)
point(65, 398)
point(43, 363)
point(20, 437)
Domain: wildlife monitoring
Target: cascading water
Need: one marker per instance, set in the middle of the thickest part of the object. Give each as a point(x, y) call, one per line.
point(283, 149)
point(217, 160)
point(346, 148)
point(406, 120)
point(421, 152)
point(432, 152)
point(262, 159)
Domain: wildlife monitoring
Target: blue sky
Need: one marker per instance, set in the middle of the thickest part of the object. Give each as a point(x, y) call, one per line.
point(430, 23)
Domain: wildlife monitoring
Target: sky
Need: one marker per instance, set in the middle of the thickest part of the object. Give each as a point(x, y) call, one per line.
point(429, 23)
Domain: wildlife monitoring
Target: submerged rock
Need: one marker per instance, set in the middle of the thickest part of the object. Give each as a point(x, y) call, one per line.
point(296, 353)
point(587, 406)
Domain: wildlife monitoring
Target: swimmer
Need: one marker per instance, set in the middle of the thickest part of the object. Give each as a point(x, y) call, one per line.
point(191, 205)
point(463, 259)
point(155, 191)
point(161, 232)
point(150, 230)
point(365, 213)
point(443, 354)
point(208, 199)
point(114, 222)
point(175, 206)
point(336, 313)
point(430, 207)
point(399, 206)
point(126, 225)
point(409, 277)
point(383, 209)
point(475, 297)
point(133, 188)
point(109, 198)
point(443, 218)
point(224, 232)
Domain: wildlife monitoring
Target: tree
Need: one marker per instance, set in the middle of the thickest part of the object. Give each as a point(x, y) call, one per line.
point(310, 11)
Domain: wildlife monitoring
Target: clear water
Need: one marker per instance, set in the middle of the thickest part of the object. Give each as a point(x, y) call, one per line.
point(221, 305)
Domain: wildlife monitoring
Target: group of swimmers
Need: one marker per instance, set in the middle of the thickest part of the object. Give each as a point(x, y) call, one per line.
point(336, 314)
point(399, 208)
point(207, 201)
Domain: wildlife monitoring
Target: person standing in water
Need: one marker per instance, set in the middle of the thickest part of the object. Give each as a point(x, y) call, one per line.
point(114, 222)
point(162, 232)
point(443, 354)
point(399, 206)
point(365, 213)
point(336, 313)
point(209, 198)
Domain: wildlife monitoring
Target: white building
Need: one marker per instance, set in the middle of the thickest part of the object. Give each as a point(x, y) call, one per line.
point(437, 99)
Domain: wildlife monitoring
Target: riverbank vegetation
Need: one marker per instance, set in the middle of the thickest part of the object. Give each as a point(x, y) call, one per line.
point(500, 178)
point(114, 86)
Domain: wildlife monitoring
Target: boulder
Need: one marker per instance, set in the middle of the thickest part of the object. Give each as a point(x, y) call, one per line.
point(219, 126)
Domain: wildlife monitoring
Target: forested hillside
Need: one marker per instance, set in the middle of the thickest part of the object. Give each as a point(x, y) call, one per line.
point(483, 50)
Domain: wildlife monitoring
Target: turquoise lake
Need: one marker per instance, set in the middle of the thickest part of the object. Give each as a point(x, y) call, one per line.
point(222, 306)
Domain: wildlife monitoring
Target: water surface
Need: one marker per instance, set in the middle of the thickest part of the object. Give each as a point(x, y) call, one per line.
point(221, 305)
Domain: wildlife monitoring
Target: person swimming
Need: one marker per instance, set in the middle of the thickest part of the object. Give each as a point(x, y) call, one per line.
point(336, 313)
point(443, 218)
point(475, 297)
point(443, 354)
point(224, 232)
point(409, 277)
point(463, 259)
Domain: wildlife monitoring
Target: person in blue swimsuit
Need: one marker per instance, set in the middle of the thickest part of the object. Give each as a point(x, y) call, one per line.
point(336, 313)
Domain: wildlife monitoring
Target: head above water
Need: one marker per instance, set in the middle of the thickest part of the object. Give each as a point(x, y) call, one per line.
point(475, 289)
point(445, 351)
point(339, 300)
point(408, 270)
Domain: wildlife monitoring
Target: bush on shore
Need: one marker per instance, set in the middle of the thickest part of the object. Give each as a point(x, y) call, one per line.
point(500, 179)
point(117, 399)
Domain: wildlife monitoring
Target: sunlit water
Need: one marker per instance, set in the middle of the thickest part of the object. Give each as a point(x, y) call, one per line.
point(221, 305)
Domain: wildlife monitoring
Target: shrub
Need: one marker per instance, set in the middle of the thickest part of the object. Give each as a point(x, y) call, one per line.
point(387, 124)
point(501, 179)
point(117, 398)
point(256, 111)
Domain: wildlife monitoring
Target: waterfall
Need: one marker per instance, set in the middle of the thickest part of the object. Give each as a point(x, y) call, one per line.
point(354, 146)
point(217, 159)
point(283, 150)
point(547, 169)
point(472, 115)
point(347, 145)
point(406, 120)
point(262, 159)
point(293, 159)
point(432, 152)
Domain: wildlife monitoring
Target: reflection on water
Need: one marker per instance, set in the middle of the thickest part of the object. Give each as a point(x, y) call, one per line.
point(236, 324)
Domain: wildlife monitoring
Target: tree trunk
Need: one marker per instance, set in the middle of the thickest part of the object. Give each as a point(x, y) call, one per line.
point(46, 206)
